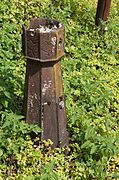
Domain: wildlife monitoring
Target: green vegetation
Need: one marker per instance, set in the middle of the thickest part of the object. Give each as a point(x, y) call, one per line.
point(91, 81)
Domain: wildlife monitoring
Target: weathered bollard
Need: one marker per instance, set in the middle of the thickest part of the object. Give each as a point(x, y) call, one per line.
point(103, 10)
point(43, 46)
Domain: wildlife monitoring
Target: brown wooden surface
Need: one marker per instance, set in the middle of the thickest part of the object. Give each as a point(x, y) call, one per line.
point(48, 100)
point(103, 9)
point(32, 92)
point(61, 114)
point(44, 97)
point(107, 9)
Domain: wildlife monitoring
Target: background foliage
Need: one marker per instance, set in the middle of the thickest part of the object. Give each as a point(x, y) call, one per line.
point(91, 82)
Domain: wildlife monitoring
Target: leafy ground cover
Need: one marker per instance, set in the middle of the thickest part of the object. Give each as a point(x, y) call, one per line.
point(91, 82)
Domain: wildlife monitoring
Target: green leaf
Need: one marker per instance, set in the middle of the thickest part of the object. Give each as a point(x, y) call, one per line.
point(1, 152)
point(85, 144)
point(5, 104)
point(7, 94)
point(90, 133)
point(36, 129)
point(18, 117)
point(93, 149)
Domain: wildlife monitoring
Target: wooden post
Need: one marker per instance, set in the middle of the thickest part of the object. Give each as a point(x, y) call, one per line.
point(103, 10)
point(43, 45)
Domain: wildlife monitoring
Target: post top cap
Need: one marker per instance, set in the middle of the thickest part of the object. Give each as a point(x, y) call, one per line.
point(44, 25)
point(43, 40)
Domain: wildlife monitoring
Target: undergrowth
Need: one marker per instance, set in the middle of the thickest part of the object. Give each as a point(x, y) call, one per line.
point(90, 71)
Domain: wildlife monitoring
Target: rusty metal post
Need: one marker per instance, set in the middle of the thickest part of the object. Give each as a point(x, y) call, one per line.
point(43, 45)
point(103, 10)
